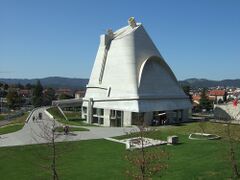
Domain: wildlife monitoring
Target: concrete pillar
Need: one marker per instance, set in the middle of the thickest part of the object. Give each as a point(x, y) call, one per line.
point(83, 113)
point(178, 115)
point(148, 116)
point(106, 117)
point(127, 118)
point(169, 116)
point(90, 106)
point(186, 113)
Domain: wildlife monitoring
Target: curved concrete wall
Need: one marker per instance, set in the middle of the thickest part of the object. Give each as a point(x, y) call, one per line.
point(227, 112)
point(130, 74)
point(155, 78)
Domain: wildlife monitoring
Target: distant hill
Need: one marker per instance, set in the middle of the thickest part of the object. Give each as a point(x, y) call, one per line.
point(54, 82)
point(78, 83)
point(193, 82)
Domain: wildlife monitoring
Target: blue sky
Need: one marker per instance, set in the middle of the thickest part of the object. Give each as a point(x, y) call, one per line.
point(41, 38)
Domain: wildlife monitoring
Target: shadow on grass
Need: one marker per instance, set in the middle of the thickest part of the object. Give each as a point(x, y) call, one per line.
point(178, 144)
point(76, 119)
point(179, 124)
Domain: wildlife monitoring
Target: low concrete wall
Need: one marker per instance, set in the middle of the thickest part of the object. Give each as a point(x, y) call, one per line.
point(48, 114)
point(30, 114)
point(227, 112)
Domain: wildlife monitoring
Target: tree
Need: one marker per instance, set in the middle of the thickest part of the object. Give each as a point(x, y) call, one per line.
point(3, 93)
point(220, 101)
point(225, 96)
point(13, 99)
point(187, 89)
point(48, 132)
point(49, 96)
point(5, 86)
point(29, 86)
point(205, 103)
point(232, 152)
point(233, 139)
point(145, 163)
point(37, 98)
point(20, 86)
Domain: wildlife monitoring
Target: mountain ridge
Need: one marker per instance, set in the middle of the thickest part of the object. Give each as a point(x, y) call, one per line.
point(80, 83)
point(53, 81)
point(195, 82)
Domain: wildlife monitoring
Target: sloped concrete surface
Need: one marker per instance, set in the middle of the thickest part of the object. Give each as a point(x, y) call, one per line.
point(227, 112)
point(36, 131)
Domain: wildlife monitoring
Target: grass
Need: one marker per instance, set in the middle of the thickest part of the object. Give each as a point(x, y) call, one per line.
point(73, 115)
point(10, 128)
point(73, 118)
point(71, 129)
point(93, 159)
point(187, 128)
point(15, 124)
point(2, 117)
point(101, 159)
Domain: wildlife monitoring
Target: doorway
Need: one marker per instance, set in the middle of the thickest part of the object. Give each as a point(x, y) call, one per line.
point(116, 120)
point(159, 118)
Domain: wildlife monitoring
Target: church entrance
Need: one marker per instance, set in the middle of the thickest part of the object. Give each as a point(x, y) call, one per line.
point(116, 118)
point(159, 118)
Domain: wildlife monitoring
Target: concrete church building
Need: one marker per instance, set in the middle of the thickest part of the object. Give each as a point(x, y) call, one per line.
point(130, 79)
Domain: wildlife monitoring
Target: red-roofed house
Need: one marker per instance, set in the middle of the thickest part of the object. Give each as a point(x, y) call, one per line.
point(65, 91)
point(216, 95)
point(25, 92)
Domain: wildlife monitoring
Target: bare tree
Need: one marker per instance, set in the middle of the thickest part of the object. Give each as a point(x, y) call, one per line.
point(232, 139)
point(232, 151)
point(202, 125)
point(145, 163)
point(48, 135)
point(53, 143)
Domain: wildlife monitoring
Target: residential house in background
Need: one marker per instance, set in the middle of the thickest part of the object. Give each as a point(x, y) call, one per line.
point(64, 91)
point(217, 96)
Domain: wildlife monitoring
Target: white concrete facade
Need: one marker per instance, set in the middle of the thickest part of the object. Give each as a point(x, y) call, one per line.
point(227, 112)
point(130, 75)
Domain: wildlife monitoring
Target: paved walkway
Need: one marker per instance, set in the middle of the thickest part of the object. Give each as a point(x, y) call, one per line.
point(38, 131)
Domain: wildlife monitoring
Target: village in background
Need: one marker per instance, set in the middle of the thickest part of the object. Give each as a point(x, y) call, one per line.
point(18, 98)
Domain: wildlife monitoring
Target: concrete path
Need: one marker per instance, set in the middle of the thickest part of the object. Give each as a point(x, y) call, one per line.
point(39, 131)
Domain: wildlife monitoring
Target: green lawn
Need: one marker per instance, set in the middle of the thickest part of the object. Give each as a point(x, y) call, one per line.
point(2, 117)
point(10, 128)
point(101, 159)
point(73, 118)
point(73, 115)
point(15, 124)
point(187, 128)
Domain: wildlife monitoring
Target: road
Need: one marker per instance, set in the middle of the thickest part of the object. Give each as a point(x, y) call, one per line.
point(38, 131)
